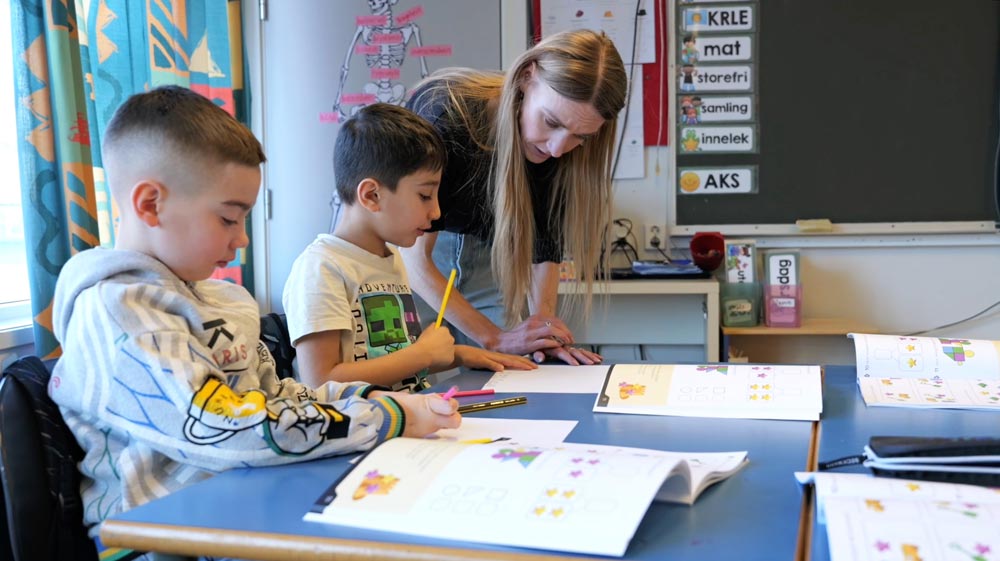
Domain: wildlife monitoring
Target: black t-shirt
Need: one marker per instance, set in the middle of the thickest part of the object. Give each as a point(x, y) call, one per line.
point(464, 196)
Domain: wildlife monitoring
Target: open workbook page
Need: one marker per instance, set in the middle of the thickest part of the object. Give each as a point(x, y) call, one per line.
point(570, 497)
point(737, 391)
point(928, 372)
point(878, 518)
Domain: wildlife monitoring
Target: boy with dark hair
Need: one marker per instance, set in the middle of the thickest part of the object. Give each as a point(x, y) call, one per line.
point(350, 312)
point(163, 379)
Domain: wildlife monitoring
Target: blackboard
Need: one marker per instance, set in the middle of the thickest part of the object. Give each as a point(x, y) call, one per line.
point(880, 111)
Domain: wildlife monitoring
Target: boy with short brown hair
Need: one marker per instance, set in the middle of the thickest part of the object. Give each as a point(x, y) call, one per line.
point(163, 379)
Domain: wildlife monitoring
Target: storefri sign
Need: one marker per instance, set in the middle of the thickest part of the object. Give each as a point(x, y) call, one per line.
point(729, 78)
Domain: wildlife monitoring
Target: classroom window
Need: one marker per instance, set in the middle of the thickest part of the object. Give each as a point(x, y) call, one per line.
point(14, 292)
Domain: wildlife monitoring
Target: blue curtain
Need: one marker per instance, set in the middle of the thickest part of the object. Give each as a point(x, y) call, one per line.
point(74, 63)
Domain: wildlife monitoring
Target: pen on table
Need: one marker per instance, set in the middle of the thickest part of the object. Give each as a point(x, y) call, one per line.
point(484, 405)
point(444, 301)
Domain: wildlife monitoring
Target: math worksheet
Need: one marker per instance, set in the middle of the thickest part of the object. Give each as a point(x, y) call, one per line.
point(878, 518)
point(742, 391)
point(928, 372)
point(583, 498)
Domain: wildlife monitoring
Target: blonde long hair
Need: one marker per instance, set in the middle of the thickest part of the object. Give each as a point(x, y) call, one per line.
point(582, 66)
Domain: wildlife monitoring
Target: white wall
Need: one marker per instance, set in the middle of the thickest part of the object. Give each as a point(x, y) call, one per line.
point(894, 283)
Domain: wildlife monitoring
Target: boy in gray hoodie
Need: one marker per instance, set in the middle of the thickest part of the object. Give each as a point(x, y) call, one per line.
point(163, 379)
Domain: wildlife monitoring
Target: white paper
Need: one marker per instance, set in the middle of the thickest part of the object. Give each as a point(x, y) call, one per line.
point(513, 431)
point(876, 518)
point(742, 391)
point(548, 378)
point(897, 356)
point(928, 372)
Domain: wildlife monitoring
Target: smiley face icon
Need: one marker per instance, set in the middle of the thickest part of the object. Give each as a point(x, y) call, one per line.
point(690, 182)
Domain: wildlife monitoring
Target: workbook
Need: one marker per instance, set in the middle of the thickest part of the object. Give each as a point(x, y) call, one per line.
point(581, 498)
point(741, 391)
point(876, 518)
point(928, 372)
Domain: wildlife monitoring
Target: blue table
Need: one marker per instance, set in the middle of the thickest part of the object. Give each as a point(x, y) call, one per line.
point(257, 513)
point(847, 424)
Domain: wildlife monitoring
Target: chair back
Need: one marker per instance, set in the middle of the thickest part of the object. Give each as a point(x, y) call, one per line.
point(38, 470)
point(274, 334)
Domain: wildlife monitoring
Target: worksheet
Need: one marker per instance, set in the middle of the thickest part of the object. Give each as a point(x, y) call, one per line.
point(743, 391)
point(928, 372)
point(878, 518)
point(583, 498)
point(898, 356)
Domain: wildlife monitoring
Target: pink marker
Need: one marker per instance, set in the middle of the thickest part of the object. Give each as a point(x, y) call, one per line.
point(450, 393)
point(469, 393)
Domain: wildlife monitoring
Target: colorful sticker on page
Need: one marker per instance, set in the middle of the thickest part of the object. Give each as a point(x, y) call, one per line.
point(568, 491)
point(779, 385)
point(921, 391)
point(555, 503)
point(934, 390)
point(892, 390)
point(930, 392)
point(986, 392)
point(639, 385)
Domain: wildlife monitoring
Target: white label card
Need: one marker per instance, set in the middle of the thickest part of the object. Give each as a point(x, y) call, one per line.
point(696, 48)
point(782, 270)
point(717, 181)
point(717, 18)
point(692, 140)
point(696, 109)
point(693, 78)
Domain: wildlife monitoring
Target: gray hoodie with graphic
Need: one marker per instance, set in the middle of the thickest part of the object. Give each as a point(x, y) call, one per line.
point(165, 382)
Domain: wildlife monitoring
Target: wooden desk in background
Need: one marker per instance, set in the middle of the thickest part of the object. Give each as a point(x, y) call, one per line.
point(663, 321)
point(816, 341)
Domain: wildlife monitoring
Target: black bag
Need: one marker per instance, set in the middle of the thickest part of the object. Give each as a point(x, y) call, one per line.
point(274, 334)
point(974, 461)
point(40, 479)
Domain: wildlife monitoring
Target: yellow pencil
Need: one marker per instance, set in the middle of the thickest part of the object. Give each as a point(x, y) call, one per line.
point(444, 301)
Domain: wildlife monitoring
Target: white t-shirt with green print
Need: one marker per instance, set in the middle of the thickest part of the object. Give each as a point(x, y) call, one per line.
point(336, 285)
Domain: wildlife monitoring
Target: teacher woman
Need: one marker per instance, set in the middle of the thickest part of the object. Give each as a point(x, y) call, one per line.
point(527, 184)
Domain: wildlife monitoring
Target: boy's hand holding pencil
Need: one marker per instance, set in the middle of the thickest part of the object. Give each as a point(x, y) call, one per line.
point(438, 346)
point(425, 413)
point(474, 357)
point(437, 342)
